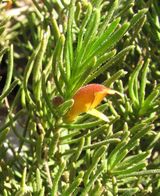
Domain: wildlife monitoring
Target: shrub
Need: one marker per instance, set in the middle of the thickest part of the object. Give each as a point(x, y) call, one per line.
point(51, 50)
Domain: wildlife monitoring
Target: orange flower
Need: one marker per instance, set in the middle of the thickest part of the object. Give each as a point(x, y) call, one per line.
point(86, 99)
point(8, 4)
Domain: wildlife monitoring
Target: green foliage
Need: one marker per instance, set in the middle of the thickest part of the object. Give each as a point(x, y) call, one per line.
point(51, 49)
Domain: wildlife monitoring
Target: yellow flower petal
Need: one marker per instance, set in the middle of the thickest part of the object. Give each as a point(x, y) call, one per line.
point(98, 114)
point(99, 96)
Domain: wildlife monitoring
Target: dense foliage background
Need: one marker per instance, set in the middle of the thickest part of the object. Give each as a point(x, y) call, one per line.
point(48, 50)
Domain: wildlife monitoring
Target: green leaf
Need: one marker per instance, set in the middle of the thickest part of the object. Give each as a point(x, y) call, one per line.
point(57, 178)
point(149, 102)
point(9, 69)
point(144, 81)
point(96, 158)
point(137, 17)
point(103, 38)
point(114, 77)
point(113, 155)
point(69, 44)
point(74, 185)
point(116, 58)
point(92, 180)
point(131, 169)
point(108, 17)
point(37, 69)
point(112, 40)
point(3, 135)
point(133, 85)
point(132, 159)
point(89, 36)
point(9, 90)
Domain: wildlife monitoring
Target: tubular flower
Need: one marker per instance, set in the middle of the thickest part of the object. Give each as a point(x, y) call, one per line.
point(86, 99)
point(8, 4)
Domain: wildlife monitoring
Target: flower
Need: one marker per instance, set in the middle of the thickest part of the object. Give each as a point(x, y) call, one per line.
point(8, 4)
point(86, 99)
